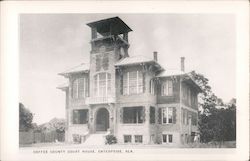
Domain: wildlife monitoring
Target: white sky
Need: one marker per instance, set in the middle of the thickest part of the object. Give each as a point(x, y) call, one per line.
point(50, 44)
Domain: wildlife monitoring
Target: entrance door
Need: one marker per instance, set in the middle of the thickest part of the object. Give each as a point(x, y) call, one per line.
point(102, 120)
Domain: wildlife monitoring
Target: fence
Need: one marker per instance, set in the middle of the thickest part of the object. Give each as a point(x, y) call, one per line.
point(40, 137)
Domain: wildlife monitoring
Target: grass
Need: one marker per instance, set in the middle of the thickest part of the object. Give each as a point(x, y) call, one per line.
point(226, 144)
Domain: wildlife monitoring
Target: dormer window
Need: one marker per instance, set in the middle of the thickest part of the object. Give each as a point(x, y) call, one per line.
point(133, 82)
point(167, 88)
point(79, 88)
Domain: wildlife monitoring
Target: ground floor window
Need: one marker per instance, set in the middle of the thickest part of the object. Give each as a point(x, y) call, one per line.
point(80, 116)
point(167, 138)
point(127, 138)
point(133, 115)
point(167, 115)
point(138, 138)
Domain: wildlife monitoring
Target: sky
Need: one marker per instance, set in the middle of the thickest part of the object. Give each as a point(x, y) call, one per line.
point(53, 43)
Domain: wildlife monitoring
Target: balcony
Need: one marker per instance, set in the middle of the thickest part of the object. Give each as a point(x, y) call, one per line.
point(100, 100)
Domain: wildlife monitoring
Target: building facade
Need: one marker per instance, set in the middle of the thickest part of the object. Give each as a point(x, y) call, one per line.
point(133, 98)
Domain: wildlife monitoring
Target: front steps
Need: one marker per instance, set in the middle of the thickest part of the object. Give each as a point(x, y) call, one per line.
point(95, 139)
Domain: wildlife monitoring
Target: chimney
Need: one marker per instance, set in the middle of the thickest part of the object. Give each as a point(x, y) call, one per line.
point(183, 64)
point(155, 56)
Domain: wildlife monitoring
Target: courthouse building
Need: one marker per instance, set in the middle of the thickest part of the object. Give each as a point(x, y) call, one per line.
point(133, 98)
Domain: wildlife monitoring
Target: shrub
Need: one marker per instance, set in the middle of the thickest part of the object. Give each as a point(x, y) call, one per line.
point(76, 138)
point(110, 139)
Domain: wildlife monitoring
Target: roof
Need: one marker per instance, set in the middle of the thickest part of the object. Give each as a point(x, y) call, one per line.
point(134, 60)
point(103, 26)
point(77, 69)
point(174, 72)
point(170, 72)
point(63, 86)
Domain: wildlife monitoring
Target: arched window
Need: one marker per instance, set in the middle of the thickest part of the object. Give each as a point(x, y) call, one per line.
point(80, 88)
point(102, 84)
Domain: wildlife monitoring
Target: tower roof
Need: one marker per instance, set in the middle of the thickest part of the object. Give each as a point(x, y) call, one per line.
point(114, 25)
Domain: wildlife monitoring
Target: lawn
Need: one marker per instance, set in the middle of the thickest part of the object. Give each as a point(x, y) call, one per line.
point(226, 144)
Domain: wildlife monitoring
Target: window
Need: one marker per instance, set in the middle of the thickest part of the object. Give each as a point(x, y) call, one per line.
point(167, 138)
point(167, 88)
point(152, 86)
point(80, 116)
point(133, 82)
point(102, 84)
point(167, 115)
point(80, 88)
point(138, 138)
point(152, 115)
point(102, 62)
point(127, 139)
point(189, 96)
point(183, 115)
point(133, 115)
point(194, 118)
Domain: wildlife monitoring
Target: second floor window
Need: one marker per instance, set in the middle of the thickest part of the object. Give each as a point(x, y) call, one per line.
point(133, 82)
point(80, 88)
point(102, 84)
point(152, 86)
point(167, 88)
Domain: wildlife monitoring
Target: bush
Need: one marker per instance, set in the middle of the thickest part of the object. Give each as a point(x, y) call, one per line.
point(76, 138)
point(110, 139)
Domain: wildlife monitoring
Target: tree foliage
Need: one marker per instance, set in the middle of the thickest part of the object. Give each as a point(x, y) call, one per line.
point(25, 118)
point(217, 121)
point(53, 125)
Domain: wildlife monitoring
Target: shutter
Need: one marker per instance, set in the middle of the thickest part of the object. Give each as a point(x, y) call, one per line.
point(150, 86)
point(71, 116)
point(121, 84)
point(144, 114)
point(174, 115)
point(87, 87)
point(121, 115)
point(159, 115)
point(87, 116)
point(144, 81)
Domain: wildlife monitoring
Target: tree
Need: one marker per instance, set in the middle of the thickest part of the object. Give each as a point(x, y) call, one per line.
point(25, 118)
point(215, 124)
point(55, 124)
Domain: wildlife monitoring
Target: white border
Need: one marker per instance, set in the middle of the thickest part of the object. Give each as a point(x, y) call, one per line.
point(10, 11)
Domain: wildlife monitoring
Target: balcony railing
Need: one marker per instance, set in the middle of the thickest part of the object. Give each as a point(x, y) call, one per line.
point(100, 100)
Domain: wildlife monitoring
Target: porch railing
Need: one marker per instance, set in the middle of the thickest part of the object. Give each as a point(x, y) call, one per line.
point(100, 100)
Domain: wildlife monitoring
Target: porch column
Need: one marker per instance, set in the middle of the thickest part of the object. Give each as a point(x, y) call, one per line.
point(147, 115)
point(91, 120)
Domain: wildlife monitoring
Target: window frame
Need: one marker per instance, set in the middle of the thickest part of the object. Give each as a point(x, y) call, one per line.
point(152, 87)
point(167, 138)
point(85, 121)
point(167, 115)
point(76, 88)
point(98, 84)
point(127, 79)
point(130, 137)
point(137, 115)
point(139, 137)
point(167, 88)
